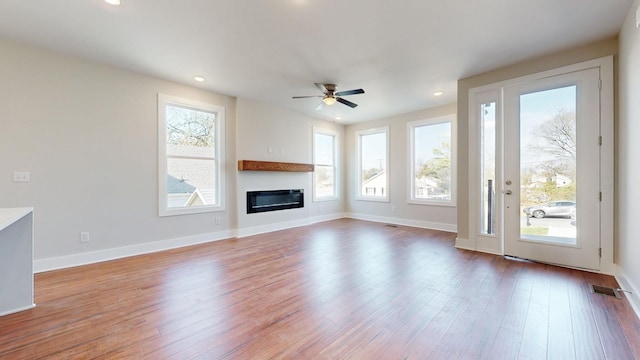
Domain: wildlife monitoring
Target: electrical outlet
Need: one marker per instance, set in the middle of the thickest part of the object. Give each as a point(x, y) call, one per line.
point(218, 220)
point(21, 176)
point(393, 209)
point(84, 237)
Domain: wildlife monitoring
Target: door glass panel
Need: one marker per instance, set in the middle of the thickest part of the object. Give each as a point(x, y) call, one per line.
point(488, 167)
point(548, 166)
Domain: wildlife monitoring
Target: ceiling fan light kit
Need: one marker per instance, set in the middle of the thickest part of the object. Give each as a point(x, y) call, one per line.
point(330, 96)
point(329, 100)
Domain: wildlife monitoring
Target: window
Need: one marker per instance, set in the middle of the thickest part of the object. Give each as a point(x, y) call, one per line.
point(372, 167)
point(190, 156)
point(430, 147)
point(488, 167)
point(325, 148)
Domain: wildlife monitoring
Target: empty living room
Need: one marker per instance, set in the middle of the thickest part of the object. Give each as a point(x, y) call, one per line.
point(304, 179)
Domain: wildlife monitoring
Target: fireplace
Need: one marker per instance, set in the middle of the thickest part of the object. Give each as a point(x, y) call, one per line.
point(273, 200)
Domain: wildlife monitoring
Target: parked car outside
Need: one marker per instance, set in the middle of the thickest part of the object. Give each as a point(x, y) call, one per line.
point(552, 208)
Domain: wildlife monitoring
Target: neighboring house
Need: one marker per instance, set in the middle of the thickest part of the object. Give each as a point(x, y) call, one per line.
point(191, 181)
point(558, 179)
point(425, 187)
point(178, 191)
point(376, 185)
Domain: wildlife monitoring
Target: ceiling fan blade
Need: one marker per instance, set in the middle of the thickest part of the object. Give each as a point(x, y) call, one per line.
point(304, 97)
point(349, 92)
point(321, 87)
point(346, 102)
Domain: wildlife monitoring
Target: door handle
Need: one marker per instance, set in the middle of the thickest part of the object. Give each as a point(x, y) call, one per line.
point(508, 192)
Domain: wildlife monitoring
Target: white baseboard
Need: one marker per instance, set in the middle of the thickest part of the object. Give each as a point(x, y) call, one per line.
point(17, 310)
point(626, 284)
point(255, 230)
point(328, 217)
point(465, 244)
point(42, 265)
point(55, 263)
point(405, 222)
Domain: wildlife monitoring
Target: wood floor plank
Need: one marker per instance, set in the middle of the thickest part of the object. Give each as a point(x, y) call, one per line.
point(585, 333)
point(339, 289)
point(535, 335)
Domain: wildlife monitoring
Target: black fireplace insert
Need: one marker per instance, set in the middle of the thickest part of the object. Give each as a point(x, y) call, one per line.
point(273, 200)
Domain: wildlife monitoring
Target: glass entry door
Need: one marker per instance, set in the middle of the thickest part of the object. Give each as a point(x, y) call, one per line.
point(551, 184)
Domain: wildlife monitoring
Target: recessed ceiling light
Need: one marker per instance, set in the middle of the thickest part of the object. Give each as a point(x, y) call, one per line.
point(114, 2)
point(438, 93)
point(198, 78)
point(338, 118)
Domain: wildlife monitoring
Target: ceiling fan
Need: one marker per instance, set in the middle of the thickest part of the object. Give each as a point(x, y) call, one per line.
point(331, 96)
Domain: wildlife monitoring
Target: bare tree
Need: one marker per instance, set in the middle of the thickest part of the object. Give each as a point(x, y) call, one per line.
point(558, 134)
point(556, 138)
point(189, 127)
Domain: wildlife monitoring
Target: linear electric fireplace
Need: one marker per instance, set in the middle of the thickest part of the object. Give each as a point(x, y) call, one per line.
point(272, 200)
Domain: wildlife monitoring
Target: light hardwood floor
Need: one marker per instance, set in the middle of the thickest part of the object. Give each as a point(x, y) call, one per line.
point(342, 289)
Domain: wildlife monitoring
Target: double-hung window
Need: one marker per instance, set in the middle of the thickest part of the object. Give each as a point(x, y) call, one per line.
point(190, 156)
point(372, 164)
point(325, 154)
point(431, 180)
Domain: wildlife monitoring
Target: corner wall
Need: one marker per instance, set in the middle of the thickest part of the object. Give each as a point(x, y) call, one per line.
point(269, 133)
point(628, 152)
point(87, 133)
point(426, 216)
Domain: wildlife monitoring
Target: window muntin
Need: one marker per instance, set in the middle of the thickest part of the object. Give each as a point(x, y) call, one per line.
point(372, 168)
point(190, 156)
point(325, 153)
point(432, 171)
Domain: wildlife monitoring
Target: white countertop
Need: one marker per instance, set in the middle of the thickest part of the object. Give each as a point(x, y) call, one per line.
point(10, 215)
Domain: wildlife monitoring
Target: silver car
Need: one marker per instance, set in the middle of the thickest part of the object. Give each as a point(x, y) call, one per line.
point(552, 208)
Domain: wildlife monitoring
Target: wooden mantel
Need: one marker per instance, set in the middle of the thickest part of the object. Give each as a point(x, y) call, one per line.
point(254, 165)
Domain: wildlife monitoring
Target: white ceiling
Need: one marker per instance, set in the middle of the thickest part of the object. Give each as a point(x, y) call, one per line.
point(398, 51)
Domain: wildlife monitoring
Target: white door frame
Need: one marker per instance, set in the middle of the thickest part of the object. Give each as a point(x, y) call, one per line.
point(477, 96)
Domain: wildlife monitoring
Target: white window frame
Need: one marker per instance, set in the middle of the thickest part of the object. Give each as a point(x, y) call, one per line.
point(359, 135)
point(336, 167)
point(411, 126)
point(220, 161)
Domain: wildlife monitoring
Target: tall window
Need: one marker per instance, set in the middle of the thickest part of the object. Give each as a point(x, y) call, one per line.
point(324, 157)
point(488, 167)
point(373, 166)
point(430, 148)
point(190, 156)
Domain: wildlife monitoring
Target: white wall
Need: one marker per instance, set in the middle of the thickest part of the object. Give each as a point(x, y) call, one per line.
point(269, 133)
point(628, 152)
point(88, 135)
point(435, 217)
